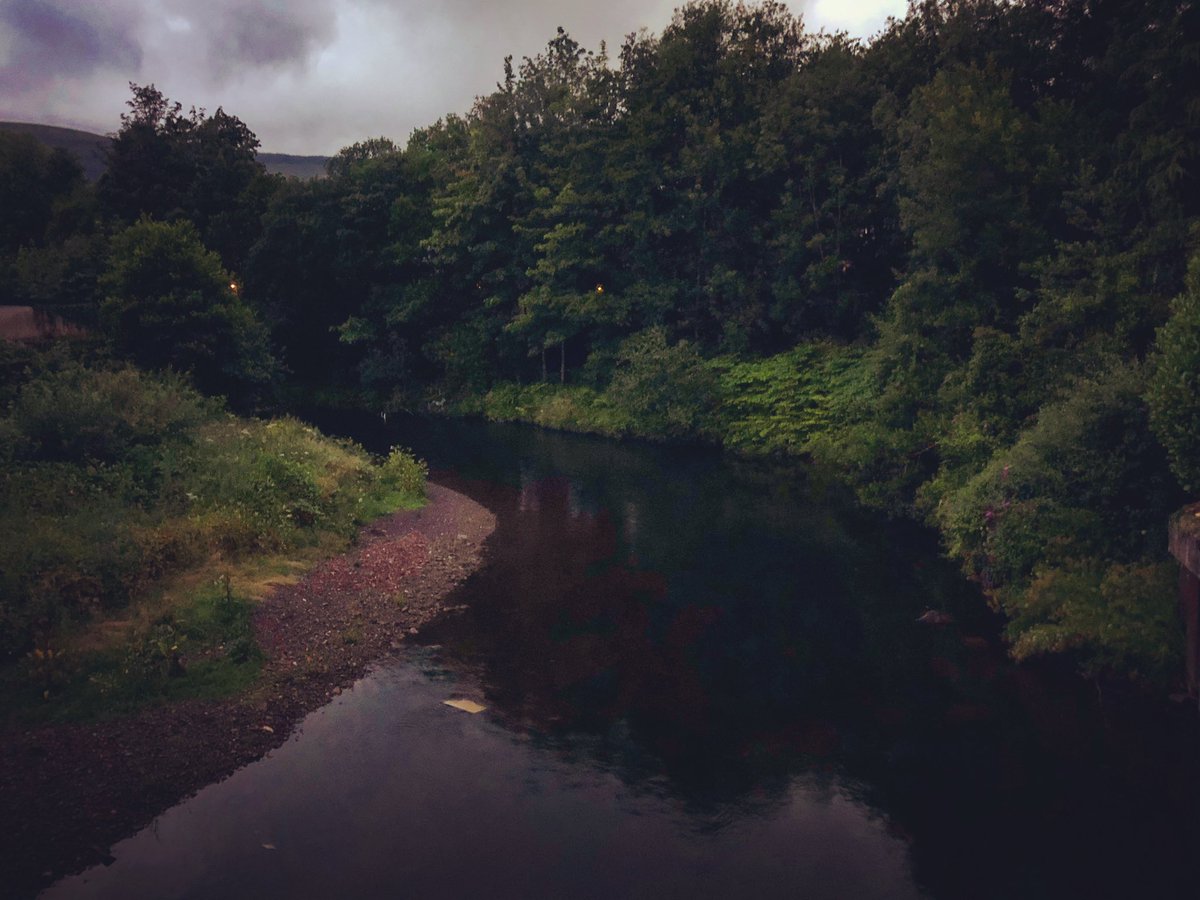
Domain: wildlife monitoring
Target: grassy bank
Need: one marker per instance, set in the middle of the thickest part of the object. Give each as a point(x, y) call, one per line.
point(139, 522)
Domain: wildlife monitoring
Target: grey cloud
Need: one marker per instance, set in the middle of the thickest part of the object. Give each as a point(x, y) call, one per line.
point(257, 33)
point(49, 40)
point(306, 75)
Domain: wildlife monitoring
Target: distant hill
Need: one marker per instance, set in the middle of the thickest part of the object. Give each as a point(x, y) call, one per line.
point(294, 166)
point(90, 148)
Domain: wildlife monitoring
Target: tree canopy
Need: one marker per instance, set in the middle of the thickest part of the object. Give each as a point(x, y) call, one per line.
point(950, 264)
point(169, 303)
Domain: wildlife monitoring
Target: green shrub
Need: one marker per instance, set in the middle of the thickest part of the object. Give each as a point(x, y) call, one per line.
point(291, 487)
point(154, 656)
point(561, 407)
point(781, 403)
point(116, 480)
point(64, 555)
point(203, 649)
point(402, 472)
point(1065, 528)
point(1174, 389)
point(218, 618)
point(80, 414)
point(1116, 619)
point(1088, 474)
point(276, 483)
point(49, 670)
point(665, 388)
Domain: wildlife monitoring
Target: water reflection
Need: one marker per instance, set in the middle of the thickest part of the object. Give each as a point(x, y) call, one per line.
point(704, 678)
point(388, 793)
point(736, 636)
point(754, 629)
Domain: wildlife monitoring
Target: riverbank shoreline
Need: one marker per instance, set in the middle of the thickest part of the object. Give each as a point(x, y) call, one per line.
point(70, 791)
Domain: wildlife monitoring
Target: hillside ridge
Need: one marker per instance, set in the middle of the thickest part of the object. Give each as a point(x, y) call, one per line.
point(89, 149)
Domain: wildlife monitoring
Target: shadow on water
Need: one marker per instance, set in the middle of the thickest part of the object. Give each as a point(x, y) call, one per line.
point(712, 628)
point(704, 677)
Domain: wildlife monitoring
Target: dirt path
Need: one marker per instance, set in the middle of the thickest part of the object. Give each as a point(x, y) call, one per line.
point(68, 792)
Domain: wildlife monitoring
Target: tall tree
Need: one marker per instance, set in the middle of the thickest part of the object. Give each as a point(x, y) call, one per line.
point(169, 165)
point(169, 303)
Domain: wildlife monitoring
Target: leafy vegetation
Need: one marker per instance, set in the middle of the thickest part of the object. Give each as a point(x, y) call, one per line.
point(202, 647)
point(169, 303)
point(120, 488)
point(949, 265)
point(1174, 393)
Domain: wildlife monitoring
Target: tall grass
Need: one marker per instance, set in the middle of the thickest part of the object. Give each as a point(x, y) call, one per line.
point(115, 482)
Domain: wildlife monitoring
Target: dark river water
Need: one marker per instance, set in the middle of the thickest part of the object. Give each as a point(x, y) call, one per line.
point(702, 678)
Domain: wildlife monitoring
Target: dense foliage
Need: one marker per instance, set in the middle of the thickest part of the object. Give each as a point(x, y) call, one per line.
point(1175, 386)
point(949, 263)
point(168, 303)
point(116, 483)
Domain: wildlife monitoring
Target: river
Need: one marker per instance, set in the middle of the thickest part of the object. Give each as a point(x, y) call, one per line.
point(703, 677)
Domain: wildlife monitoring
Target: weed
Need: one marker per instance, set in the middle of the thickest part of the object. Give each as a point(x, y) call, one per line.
point(119, 480)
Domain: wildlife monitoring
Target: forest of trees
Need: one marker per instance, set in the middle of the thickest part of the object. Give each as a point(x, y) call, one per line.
point(951, 264)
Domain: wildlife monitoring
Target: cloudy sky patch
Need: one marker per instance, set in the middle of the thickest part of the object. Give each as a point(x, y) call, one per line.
point(310, 76)
point(44, 41)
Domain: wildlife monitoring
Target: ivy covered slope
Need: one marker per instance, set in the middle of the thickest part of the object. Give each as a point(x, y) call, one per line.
point(138, 518)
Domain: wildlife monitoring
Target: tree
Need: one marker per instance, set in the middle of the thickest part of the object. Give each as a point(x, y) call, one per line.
point(339, 268)
point(480, 257)
point(567, 105)
point(148, 170)
point(292, 272)
point(35, 182)
point(1174, 390)
point(46, 249)
point(699, 165)
point(833, 235)
point(356, 154)
point(169, 304)
point(967, 162)
point(169, 165)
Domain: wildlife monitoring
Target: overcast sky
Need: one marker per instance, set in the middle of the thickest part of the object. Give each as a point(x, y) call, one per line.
point(310, 76)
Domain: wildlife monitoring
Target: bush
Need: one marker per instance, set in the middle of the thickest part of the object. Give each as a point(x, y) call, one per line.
point(170, 304)
point(88, 415)
point(1066, 529)
point(117, 480)
point(1174, 390)
point(1087, 478)
point(56, 567)
point(1116, 619)
point(402, 472)
point(266, 481)
point(780, 403)
point(561, 407)
point(665, 388)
